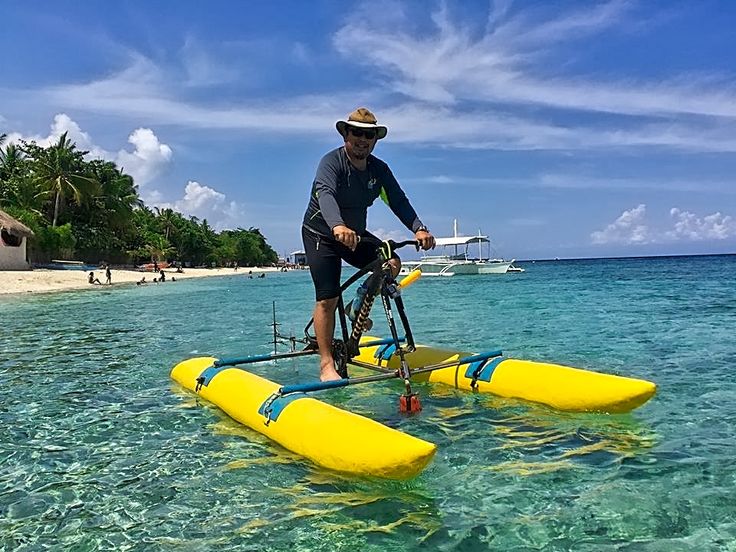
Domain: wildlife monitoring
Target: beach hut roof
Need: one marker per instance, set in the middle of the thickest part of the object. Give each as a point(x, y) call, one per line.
point(13, 226)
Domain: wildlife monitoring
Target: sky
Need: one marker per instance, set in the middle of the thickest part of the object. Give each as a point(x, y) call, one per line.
point(559, 129)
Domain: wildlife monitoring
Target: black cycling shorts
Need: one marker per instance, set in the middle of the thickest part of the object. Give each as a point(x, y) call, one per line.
point(325, 256)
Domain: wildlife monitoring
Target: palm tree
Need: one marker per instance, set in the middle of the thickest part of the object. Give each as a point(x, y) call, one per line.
point(11, 159)
point(23, 194)
point(16, 187)
point(158, 247)
point(58, 169)
point(118, 194)
point(167, 218)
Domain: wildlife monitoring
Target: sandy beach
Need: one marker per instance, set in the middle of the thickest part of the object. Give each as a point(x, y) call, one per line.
point(46, 280)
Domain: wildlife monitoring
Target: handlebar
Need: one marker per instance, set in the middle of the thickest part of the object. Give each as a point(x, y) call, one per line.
point(387, 248)
point(399, 245)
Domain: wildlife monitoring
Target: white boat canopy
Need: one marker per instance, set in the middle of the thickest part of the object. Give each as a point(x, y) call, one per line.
point(461, 240)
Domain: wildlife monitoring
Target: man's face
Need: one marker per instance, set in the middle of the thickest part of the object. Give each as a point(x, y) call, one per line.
point(359, 142)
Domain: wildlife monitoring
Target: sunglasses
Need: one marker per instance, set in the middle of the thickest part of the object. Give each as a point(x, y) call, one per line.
point(359, 133)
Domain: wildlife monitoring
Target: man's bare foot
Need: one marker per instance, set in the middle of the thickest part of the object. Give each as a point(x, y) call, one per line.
point(328, 373)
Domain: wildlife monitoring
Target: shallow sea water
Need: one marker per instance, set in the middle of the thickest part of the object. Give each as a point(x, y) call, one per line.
point(100, 450)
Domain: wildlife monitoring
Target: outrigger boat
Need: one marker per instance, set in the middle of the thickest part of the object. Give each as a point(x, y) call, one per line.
point(340, 440)
point(456, 259)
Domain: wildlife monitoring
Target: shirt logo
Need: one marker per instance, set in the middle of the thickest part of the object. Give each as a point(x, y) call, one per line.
point(371, 183)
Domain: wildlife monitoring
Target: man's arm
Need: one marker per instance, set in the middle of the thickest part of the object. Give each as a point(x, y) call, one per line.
point(396, 199)
point(325, 188)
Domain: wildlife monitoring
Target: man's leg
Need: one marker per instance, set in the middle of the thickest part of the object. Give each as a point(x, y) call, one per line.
point(324, 266)
point(395, 263)
point(324, 329)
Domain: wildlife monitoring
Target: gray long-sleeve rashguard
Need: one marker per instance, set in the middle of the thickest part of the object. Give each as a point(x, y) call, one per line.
point(341, 195)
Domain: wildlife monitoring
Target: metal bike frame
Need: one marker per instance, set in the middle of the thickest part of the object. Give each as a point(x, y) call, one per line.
point(380, 282)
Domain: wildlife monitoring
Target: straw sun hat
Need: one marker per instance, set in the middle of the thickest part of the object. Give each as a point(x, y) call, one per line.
point(362, 118)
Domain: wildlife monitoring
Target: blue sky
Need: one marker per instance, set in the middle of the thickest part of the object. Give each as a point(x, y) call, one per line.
point(561, 129)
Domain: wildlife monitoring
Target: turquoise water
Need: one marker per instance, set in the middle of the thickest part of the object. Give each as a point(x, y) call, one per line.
point(99, 450)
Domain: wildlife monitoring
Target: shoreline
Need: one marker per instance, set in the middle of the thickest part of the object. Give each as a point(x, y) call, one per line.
point(44, 280)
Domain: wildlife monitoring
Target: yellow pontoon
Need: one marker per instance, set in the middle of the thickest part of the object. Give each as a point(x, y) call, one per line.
point(347, 442)
point(328, 436)
point(561, 387)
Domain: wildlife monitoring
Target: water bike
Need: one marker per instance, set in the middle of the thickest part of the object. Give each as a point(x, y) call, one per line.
point(347, 442)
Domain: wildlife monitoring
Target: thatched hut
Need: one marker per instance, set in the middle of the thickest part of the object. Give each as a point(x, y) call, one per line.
point(13, 237)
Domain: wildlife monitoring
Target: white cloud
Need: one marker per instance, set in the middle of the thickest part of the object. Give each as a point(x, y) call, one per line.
point(148, 158)
point(141, 91)
point(628, 229)
point(202, 67)
point(204, 202)
point(63, 123)
point(583, 181)
point(440, 179)
point(384, 234)
point(301, 53)
point(464, 83)
point(631, 228)
point(484, 127)
point(502, 63)
point(688, 227)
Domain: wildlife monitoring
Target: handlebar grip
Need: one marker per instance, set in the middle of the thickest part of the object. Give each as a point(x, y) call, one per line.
point(399, 245)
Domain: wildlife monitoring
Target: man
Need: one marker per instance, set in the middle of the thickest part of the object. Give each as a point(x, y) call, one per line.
point(348, 181)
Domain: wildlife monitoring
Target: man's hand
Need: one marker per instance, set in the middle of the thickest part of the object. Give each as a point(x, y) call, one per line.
point(425, 239)
point(346, 236)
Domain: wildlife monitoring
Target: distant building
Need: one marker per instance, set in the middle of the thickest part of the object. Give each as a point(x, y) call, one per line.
point(299, 258)
point(13, 237)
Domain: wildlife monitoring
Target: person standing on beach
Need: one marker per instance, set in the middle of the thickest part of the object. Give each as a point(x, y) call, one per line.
point(348, 180)
point(108, 275)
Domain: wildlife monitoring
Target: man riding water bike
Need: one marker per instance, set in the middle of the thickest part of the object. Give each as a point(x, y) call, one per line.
point(348, 181)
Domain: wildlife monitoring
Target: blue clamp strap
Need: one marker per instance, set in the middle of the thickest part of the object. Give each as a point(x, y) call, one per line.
point(274, 405)
point(206, 376)
point(385, 352)
point(482, 370)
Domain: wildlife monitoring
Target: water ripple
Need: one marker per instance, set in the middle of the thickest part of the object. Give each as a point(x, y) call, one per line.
point(99, 450)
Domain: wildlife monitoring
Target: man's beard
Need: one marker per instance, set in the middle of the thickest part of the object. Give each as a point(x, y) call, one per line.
point(360, 153)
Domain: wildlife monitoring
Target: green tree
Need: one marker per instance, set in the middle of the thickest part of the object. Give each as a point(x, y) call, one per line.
point(117, 194)
point(158, 247)
point(167, 219)
point(59, 170)
point(16, 186)
point(55, 240)
point(92, 208)
point(12, 161)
